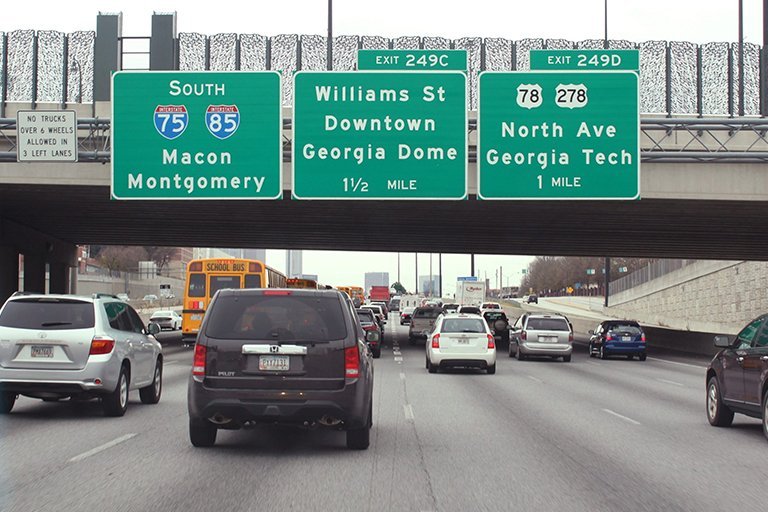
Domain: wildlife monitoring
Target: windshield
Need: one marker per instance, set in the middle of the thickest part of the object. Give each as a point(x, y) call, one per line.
point(624, 328)
point(47, 314)
point(278, 318)
point(426, 313)
point(454, 325)
point(547, 324)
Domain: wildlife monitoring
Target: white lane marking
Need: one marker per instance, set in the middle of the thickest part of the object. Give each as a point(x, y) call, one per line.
point(630, 420)
point(166, 363)
point(675, 362)
point(101, 448)
point(402, 376)
point(592, 363)
point(398, 358)
point(408, 409)
point(665, 381)
point(535, 379)
point(398, 353)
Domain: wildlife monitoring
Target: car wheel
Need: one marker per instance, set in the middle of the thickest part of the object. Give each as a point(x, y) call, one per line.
point(642, 357)
point(511, 353)
point(491, 369)
point(566, 359)
point(520, 355)
point(151, 394)
point(376, 353)
point(603, 354)
point(202, 433)
point(591, 350)
point(7, 400)
point(765, 414)
point(116, 402)
point(360, 438)
point(431, 367)
point(718, 414)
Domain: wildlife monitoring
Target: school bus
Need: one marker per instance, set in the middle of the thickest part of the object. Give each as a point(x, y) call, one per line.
point(206, 276)
point(357, 293)
point(294, 282)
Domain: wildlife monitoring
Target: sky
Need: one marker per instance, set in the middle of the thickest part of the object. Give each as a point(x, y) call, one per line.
point(698, 21)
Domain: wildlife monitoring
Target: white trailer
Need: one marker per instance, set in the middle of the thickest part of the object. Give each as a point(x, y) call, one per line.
point(470, 293)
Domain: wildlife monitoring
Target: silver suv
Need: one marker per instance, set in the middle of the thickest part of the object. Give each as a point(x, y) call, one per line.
point(541, 335)
point(68, 346)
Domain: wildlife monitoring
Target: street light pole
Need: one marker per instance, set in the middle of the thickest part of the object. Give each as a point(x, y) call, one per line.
point(605, 32)
point(741, 57)
point(329, 42)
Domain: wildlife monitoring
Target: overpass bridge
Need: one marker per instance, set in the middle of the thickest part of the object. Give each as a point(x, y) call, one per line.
point(704, 182)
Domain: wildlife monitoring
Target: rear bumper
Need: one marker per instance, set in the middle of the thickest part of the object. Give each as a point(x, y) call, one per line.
point(479, 360)
point(62, 382)
point(546, 349)
point(350, 405)
point(627, 350)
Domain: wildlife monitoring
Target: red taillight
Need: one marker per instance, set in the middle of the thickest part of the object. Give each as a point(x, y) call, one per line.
point(642, 337)
point(370, 327)
point(491, 342)
point(196, 266)
point(436, 341)
point(570, 338)
point(351, 362)
point(523, 335)
point(608, 337)
point(101, 345)
point(277, 292)
point(198, 366)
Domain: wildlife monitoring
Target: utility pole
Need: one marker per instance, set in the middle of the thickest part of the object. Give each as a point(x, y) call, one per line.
point(472, 260)
point(605, 33)
point(764, 72)
point(607, 280)
point(440, 272)
point(329, 42)
point(398, 268)
point(417, 273)
point(741, 57)
point(431, 279)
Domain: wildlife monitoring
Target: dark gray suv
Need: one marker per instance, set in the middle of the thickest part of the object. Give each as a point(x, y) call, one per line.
point(281, 356)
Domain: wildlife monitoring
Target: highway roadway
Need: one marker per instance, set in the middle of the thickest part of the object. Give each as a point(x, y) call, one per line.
point(589, 435)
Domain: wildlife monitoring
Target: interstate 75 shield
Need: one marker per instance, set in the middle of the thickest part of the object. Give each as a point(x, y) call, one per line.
point(171, 120)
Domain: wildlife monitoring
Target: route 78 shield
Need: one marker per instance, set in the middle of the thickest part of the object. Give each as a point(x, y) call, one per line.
point(222, 120)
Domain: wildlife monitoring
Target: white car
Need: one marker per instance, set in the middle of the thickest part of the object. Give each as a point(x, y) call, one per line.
point(168, 319)
point(461, 340)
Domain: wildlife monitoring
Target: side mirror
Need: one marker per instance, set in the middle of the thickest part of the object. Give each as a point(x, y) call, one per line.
point(722, 341)
point(153, 328)
point(591, 332)
point(372, 336)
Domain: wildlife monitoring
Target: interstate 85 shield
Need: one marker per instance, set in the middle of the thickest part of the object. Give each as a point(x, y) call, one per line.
point(222, 120)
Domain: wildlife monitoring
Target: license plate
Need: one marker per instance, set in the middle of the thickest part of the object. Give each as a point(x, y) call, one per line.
point(197, 317)
point(463, 341)
point(274, 363)
point(626, 338)
point(42, 351)
point(548, 339)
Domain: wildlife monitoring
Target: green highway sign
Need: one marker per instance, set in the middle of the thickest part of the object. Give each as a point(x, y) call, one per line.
point(413, 60)
point(379, 135)
point(196, 135)
point(558, 135)
point(585, 60)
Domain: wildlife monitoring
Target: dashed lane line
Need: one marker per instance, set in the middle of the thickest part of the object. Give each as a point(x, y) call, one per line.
point(621, 416)
point(408, 410)
point(103, 447)
point(673, 383)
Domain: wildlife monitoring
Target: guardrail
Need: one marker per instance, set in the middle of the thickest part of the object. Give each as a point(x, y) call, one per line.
point(678, 140)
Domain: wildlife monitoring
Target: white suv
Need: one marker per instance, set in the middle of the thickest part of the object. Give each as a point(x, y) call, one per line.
point(461, 340)
point(60, 346)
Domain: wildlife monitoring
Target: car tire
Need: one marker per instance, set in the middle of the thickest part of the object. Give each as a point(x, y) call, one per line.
point(642, 357)
point(591, 350)
point(520, 355)
point(376, 353)
point(116, 403)
point(151, 394)
point(7, 401)
point(718, 414)
point(431, 367)
point(511, 353)
point(603, 354)
point(202, 433)
point(491, 369)
point(360, 438)
point(566, 359)
point(765, 414)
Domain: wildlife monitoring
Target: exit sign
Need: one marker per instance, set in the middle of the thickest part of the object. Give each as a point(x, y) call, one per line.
point(586, 60)
point(413, 60)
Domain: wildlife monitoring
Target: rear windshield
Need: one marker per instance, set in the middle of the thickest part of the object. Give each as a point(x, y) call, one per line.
point(365, 315)
point(548, 324)
point(426, 313)
point(470, 310)
point(47, 314)
point(491, 306)
point(495, 316)
point(463, 325)
point(277, 318)
point(629, 328)
point(223, 282)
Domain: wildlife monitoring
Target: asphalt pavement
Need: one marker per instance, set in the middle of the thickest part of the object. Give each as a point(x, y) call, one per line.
point(589, 435)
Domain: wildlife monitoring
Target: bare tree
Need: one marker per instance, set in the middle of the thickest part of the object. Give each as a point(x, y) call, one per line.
point(118, 258)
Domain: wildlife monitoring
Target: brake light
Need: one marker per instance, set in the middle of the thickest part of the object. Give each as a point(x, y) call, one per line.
point(523, 335)
point(642, 337)
point(608, 337)
point(277, 292)
point(196, 266)
point(198, 366)
point(570, 337)
point(491, 342)
point(351, 362)
point(101, 345)
point(436, 341)
point(254, 267)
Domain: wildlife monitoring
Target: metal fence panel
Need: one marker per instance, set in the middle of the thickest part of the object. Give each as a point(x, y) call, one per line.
point(20, 65)
point(253, 52)
point(222, 51)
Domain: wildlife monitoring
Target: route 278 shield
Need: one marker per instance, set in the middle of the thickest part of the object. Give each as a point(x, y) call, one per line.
point(171, 120)
point(222, 120)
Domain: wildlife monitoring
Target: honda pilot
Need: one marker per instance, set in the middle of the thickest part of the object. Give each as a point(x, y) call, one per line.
point(282, 357)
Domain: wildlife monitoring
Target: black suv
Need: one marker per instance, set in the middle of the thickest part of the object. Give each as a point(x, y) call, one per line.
point(281, 356)
point(499, 324)
point(737, 377)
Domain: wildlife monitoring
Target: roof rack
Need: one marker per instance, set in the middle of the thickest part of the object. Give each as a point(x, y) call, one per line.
point(19, 293)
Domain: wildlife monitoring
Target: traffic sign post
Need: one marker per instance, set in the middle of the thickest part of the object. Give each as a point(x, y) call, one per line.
point(585, 60)
point(558, 135)
point(46, 136)
point(196, 135)
point(413, 60)
point(379, 135)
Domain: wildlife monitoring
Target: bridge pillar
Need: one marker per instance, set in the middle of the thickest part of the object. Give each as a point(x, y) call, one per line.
point(107, 54)
point(58, 278)
point(162, 44)
point(9, 272)
point(34, 273)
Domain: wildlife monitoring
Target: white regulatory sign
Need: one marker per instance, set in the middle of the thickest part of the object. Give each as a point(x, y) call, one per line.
point(46, 136)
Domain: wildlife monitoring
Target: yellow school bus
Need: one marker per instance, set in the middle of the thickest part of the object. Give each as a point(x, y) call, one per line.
point(206, 276)
point(294, 282)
